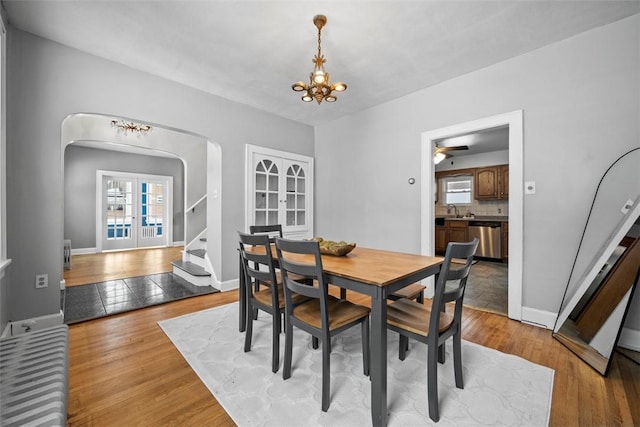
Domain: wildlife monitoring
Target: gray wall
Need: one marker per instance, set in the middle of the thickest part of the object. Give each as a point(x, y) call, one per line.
point(581, 106)
point(46, 83)
point(80, 166)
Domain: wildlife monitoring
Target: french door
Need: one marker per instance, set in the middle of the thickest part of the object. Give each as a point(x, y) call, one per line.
point(135, 211)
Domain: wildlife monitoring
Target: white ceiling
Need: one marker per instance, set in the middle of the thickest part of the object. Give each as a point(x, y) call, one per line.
point(252, 51)
point(485, 141)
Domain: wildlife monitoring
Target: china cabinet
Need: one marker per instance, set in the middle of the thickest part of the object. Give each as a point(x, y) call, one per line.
point(280, 191)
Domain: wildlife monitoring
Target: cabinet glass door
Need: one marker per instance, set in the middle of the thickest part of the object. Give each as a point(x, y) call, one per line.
point(267, 188)
point(296, 207)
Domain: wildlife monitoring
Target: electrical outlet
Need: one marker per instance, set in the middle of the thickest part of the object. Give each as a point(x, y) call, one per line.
point(42, 281)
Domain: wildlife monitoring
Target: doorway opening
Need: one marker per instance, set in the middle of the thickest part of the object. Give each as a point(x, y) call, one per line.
point(472, 188)
point(514, 122)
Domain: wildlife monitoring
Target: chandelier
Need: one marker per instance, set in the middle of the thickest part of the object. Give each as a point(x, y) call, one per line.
point(319, 87)
point(124, 126)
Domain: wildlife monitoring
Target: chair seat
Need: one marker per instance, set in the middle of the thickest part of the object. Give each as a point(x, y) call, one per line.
point(264, 297)
point(412, 291)
point(414, 317)
point(340, 312)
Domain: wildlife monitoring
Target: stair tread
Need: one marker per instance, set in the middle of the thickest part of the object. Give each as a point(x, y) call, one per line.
point(191, 268)
point(197, 252)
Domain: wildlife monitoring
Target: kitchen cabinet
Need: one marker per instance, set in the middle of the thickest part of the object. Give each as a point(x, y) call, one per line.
point(458, 231)
point(505, 241)
point(492, 183)
point(441, 239)
point(452, 231)
point(504, 181)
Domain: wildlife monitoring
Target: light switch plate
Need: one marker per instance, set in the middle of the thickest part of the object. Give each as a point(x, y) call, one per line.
point(530, 187)
point(625, 208)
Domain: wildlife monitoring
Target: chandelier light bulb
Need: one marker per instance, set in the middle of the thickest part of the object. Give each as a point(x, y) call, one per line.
point(339, 87)
point(438, 157)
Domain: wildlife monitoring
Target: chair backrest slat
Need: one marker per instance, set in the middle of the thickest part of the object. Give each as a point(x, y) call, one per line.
point(272, 231)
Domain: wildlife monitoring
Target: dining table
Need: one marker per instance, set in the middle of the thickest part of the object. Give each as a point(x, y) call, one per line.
point(377, 273)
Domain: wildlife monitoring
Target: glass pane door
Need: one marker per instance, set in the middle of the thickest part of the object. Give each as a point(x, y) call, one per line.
point(152, 213)
point(135, 212)
point(119, 209)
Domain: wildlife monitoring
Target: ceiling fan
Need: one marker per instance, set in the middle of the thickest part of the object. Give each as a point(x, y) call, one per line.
point(441, 153)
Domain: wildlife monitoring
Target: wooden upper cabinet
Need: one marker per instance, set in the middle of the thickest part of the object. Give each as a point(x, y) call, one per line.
point(504, 181)
point(492, 183)
point(486, 183)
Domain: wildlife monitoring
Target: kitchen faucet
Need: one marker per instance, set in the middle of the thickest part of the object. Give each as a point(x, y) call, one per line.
point(455, 209)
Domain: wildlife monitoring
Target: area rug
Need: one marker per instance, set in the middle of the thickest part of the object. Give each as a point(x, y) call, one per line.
point(500, 389)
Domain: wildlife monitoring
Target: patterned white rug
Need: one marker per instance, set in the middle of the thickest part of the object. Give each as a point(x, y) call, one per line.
point(500, 389)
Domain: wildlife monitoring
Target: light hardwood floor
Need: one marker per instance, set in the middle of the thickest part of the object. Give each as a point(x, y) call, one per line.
point(94, 268)
point(125, 371)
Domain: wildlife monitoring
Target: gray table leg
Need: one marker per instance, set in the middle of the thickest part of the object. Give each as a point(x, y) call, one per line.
point(379, 358)
point(242, 298)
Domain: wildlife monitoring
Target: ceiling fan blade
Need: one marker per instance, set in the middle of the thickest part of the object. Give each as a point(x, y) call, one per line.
point(455, 148)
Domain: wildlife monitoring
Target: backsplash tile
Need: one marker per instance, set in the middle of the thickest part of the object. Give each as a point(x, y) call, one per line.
point(479, 208)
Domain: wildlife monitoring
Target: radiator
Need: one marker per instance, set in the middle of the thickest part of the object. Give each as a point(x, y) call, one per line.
point(34, 378)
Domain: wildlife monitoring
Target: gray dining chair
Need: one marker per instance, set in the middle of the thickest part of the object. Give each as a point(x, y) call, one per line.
point(433, 325)
point(323, 316)
point(258, 267)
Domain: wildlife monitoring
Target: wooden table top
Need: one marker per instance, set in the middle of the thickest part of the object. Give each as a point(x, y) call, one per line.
point(373, 266)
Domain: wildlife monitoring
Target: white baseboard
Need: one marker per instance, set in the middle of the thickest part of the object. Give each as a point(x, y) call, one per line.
point(541, 318)
point(630, 339)
point(175, 244)
point(226, 285)
point(19, 327)
point(84, 251)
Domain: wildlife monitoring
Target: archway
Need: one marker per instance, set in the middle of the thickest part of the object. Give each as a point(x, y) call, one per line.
point(202, 160)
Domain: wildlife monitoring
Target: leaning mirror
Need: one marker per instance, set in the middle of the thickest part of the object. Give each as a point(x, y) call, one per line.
point(606, 268)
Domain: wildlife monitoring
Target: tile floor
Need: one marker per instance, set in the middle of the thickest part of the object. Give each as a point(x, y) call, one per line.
point(487, 287)
point(95, 300)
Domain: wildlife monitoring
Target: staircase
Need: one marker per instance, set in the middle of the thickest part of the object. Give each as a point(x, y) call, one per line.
point(194, 267)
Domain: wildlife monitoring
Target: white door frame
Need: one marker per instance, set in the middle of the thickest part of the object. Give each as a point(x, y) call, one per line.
point(514, 120)
point(168, 211)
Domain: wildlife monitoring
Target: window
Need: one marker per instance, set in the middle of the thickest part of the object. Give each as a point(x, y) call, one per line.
point(457, 190)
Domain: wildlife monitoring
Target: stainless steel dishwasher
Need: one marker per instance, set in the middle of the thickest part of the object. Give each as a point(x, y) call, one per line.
point(488, 233)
